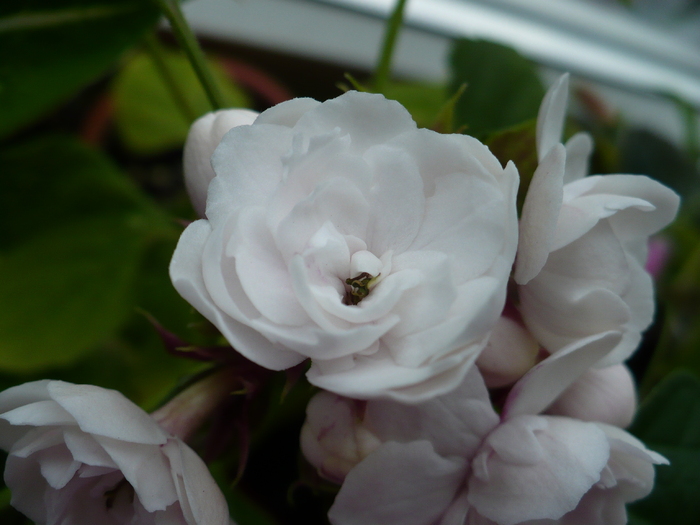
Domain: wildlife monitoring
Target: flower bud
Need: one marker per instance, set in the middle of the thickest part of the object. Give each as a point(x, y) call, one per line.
point(203, 138)
point(606, 395)
point(510, 353)
point(333, 438)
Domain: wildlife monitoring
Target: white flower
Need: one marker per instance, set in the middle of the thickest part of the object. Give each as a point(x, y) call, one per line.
point(84, 455)
point(340, 232)
point(453, 461)
point(583, 242)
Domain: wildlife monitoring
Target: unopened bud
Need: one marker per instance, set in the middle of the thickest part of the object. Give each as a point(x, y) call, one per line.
point(606, 395)
point(203, 138)
point(333, 438)
point(510, 352)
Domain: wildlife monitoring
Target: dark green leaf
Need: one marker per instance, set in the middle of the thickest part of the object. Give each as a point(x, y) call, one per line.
point(56, 180)
point(64, 291)
point(519, 145)
point(502, 87)
point(644, 152)
point(148, 118)
point(73, 231)
point(51, 48)
point(669, 422)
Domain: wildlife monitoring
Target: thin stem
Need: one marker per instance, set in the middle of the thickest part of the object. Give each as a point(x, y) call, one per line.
point(188, 42)
point(156, 52)
point(381, 75)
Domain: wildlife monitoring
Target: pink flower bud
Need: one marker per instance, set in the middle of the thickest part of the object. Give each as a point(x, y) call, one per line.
point(333, 438)
point(606, 395)
point(510, 353)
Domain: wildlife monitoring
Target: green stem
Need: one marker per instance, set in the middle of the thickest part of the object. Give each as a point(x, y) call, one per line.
point(188, 42)
point(381, 75)
point(156, 52)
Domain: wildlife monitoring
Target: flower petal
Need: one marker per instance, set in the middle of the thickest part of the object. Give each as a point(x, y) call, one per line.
point(544, 483)
point(288, 112)
point(366, 118)
point(93, 409)
point(550, 119)
point(248, 165)
point(578, 152)
point(539, 216)
point(455, 423)
point(202, 139)
point(201, 493)
point(145, 468)
point(186, 273)
point(398, 484)
point(546, 381)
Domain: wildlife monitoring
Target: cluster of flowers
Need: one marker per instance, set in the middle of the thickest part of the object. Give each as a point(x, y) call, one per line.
point(470, 358)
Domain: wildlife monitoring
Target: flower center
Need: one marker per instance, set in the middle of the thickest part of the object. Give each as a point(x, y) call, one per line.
point(123, 487)
point(358, 287)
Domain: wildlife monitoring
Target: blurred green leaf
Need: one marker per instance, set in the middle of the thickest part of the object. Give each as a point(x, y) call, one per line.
point(644, 152)
point(423, 101)
point(503, 89)
point(64, 291)
point(54, 180)
point(148, 118)
point(73, 232)
point(519, 145)
point(679, 346)
point(51, 48)
point(669, 423)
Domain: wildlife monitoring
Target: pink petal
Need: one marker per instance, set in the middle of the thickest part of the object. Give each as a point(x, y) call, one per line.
point(546, 381)
point(550, 120)
point(93, 409)
point(366, 118)
point(539, 216)
point(547, 479)
point(202, 139)
point(455, 423)
point(398, 484)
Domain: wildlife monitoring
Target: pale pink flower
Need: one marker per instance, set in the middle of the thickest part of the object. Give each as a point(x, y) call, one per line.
point(583, 242)
point(453, 461)
point(85, 455)
point(312, 196)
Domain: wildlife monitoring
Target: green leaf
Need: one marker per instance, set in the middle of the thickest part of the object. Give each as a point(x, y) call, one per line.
point(148, 117)
point(423, 101)
point(73, 231)
point(519, 145)
point(642, 151)
point(669, 422)
point(503, 89)
point(56, 180)
point(51, 48)
point(64, 291)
